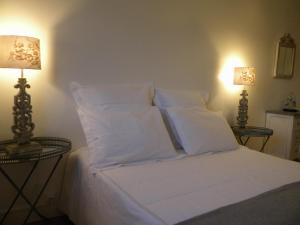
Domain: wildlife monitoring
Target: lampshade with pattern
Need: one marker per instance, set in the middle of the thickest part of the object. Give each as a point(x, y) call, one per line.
point(19, 52)
point(244, 76)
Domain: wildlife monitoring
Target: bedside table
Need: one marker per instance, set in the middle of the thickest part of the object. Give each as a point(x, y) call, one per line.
point(52, 147)
point(249, 132)
point(286, 140)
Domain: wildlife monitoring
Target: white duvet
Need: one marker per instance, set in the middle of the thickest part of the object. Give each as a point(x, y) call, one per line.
point(169, 192)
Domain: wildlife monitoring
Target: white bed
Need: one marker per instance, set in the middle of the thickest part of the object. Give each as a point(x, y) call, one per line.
point(170, 191)
point(156, 185)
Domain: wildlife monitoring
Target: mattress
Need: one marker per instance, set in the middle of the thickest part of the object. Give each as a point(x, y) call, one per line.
point(168, 192)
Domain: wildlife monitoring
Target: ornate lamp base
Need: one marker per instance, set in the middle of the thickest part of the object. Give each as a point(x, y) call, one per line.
point(23, 125)
point(23, 149)
point(243, 110)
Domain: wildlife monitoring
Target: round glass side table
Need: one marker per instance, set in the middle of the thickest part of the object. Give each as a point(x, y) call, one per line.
point(251, 131)
point(52, 147)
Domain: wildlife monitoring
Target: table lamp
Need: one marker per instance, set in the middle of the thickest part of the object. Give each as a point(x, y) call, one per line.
point(21, 52)
point(243, 76)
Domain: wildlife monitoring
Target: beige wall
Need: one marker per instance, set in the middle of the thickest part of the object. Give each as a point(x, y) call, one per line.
point(175, 43)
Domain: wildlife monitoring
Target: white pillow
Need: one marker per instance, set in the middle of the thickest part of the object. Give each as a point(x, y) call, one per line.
point(202, 131)
point(125, 136)
point(180, 98)
point(177, 98)
point(112, 94)
point(171, 129)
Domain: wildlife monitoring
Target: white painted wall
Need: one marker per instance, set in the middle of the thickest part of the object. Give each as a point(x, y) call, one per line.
point(175, 43)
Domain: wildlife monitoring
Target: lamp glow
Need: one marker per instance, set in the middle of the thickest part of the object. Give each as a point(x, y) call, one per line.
point(226, 73)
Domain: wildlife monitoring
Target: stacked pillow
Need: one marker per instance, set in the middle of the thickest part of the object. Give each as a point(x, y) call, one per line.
point(138, 94)
point(120, 124)
point(202, 131)
point(165, 99)
point(191, 125)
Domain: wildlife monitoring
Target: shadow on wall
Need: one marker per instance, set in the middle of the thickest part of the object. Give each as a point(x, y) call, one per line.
point(115, 41)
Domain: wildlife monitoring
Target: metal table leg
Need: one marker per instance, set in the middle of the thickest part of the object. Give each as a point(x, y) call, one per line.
point(19, 190)
point(42, 190)
point(264, 144)
point(246, 141)
point(243, 142)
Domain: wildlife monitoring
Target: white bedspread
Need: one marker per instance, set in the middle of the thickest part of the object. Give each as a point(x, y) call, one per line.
point(168, 192)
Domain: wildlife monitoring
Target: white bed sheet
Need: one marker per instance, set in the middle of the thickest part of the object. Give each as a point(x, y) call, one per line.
point(169, 192)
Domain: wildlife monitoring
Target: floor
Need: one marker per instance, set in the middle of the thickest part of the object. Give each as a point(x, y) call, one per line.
point(55, 221)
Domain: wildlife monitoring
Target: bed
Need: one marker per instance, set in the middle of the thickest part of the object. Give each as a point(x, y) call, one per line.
point(131, 177)
point(171, 191)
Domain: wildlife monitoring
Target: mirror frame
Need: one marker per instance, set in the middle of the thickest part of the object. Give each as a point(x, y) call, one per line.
point(285, 57)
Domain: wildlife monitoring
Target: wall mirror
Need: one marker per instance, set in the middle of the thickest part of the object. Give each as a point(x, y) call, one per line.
point(285, 57)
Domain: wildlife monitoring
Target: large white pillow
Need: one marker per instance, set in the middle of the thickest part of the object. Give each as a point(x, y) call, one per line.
point(180, 98)
point(125, 135)
point(165, 98)
point(112, 94)
point(202, 131)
